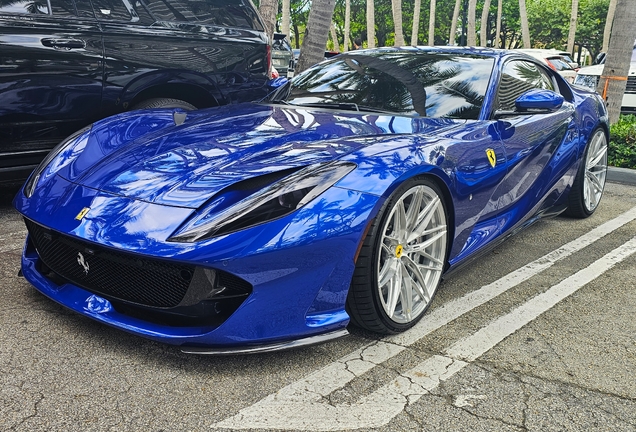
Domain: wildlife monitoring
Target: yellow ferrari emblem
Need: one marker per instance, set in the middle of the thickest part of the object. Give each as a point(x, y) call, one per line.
point(492, 157)
point(81, 214)
point(398, 251)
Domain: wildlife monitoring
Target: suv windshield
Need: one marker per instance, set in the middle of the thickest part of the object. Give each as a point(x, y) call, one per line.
point(425, 83)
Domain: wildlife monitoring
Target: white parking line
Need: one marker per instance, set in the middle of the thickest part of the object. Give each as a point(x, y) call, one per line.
point(299, 405)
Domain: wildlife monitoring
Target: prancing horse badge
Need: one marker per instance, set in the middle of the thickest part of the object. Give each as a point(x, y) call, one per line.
point(492, 157)
point(81, 214)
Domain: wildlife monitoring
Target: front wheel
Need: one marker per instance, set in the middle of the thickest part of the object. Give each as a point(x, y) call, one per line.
point(589, 182)
point(401, 261)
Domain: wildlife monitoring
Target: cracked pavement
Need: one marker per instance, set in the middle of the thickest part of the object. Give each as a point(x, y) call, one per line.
point(570, 369)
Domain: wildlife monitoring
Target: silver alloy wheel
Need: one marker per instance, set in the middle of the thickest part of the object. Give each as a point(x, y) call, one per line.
point(595, 171)
point(411, 258)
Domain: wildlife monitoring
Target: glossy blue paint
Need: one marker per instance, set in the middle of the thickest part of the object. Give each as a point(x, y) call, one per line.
point(543, 100)
point(143, 176)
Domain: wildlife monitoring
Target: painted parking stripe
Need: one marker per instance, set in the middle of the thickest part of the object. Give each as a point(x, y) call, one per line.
point(339, 373)
point(378, 408)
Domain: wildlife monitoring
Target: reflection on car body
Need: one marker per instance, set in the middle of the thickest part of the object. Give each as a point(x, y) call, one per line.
point(342, 197)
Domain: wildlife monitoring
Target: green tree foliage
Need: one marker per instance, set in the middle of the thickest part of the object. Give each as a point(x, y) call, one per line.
point(622, 147)
point(550, 19)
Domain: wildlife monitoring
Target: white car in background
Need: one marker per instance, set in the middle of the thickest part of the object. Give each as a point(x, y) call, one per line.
point(554, 60)
point(589, 77)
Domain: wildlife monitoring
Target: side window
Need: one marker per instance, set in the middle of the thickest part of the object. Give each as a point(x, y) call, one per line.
point(228, 13)
point(130, 11)
point(114, 10)
point(517, 78)
point(38, 7)
point(63, 8)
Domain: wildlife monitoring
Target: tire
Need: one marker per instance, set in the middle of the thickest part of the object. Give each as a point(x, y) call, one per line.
point(587, 189)
point(164, 103)
point(398, 270)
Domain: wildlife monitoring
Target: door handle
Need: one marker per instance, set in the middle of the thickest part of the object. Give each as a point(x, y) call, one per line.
point(63, 43)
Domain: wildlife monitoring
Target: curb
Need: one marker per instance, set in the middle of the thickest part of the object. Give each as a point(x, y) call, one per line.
point(621, 175)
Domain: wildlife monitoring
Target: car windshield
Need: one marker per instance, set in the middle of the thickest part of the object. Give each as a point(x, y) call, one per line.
point(398, 81)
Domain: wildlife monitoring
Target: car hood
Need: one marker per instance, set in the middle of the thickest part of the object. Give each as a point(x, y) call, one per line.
point(149, 156)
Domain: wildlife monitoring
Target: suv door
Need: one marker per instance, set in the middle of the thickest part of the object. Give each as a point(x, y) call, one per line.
point(51, 69)
point(203, 52)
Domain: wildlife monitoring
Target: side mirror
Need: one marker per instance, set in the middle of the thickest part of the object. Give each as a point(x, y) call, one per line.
point(536, 101)
point(539, 101)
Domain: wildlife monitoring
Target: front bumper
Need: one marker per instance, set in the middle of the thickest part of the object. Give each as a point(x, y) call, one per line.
point(299, 267)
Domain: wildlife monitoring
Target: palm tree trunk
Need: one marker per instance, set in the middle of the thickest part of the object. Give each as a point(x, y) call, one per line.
point(316, 34)
point(453, 30)
point(347, 29)
point(498, 41)
point(396, 6)
point(483, 28)
point(471, 37)
point(614, 80)
point(573, 18)
point(416, 21)
point(334, 37)
point(431, 23)
point(285, 25)
point(608, 24)
point(268, 10)
point(370, 24)
point(525, 31)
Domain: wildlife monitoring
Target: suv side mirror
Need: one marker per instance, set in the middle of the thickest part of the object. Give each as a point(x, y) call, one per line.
point(536, 101)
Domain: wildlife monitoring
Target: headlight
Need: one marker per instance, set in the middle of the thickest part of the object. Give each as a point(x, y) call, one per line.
point(32, 182)
point(589, 81)
point(268, 203)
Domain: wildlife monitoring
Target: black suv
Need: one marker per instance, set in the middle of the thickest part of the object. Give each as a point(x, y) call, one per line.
point(66, 63)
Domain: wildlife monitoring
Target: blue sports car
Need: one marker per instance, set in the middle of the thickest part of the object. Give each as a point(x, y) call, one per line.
point(344, 197)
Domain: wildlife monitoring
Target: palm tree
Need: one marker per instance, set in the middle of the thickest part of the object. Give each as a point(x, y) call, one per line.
point(614, 80)
point(416, 22)
point(499, 13)
point(471, 38)
point(347, 29)
point(483, 29)
point(313, 49)
point(285, 24)
point(431, 23)
point(608, 24)
point(334, 37)
point(523, 17)
point(453, 30)
point(268, 10)
point(370, 24)
point(396, 6)
point(572, 33)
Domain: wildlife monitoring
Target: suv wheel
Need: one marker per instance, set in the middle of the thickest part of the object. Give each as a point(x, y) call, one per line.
point(164, 103)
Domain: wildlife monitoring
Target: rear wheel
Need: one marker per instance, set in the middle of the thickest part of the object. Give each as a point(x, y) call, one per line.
point(164, 103)
point(589, 183)
point(401, 261)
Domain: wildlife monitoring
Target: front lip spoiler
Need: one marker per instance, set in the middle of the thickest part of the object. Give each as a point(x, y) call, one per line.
point(277, 346)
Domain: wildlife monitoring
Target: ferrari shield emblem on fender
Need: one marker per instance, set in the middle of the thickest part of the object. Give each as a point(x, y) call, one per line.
point(81, 214)
point(492, 157)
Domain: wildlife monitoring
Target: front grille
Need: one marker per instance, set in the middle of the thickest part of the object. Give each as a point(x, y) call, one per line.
point(118, 275)
point(631, 84)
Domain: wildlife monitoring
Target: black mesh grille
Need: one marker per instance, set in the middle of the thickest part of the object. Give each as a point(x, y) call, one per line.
point(123, 276)
point(631, 84)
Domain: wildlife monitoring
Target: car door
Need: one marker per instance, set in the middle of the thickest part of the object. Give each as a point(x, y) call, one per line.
point(537, 146)
point(50, 79)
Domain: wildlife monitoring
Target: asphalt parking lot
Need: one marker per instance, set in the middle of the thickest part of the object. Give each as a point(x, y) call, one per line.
point(538, 335)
